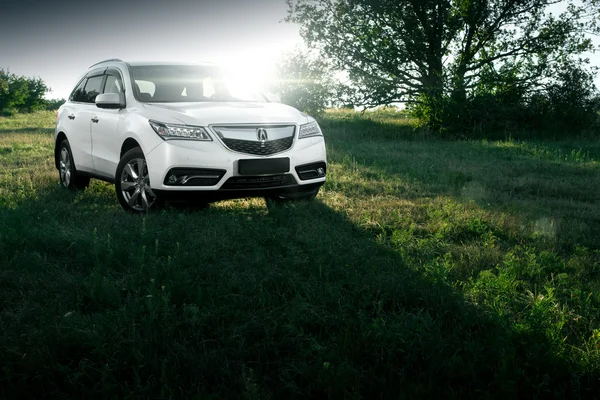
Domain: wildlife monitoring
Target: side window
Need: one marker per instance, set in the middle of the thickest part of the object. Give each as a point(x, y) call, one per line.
point(146, 90)
point(146, 87)
point(93, 88)
point(113, 84)
point(78, 93)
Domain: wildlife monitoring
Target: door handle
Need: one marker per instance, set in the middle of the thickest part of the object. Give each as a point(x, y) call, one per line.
point(72, 116)
point(95, 120)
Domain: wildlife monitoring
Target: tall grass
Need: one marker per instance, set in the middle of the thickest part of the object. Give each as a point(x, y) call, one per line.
point(425, 268)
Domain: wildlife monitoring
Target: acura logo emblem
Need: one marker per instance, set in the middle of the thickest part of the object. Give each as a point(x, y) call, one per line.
point(261, 134)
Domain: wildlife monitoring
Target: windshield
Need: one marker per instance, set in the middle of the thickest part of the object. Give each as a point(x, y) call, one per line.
point(184, 83)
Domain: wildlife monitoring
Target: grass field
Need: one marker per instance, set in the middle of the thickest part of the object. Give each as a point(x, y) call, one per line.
point(425, 268)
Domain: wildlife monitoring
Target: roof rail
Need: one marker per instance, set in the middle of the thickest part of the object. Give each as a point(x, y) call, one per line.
point(110, 59)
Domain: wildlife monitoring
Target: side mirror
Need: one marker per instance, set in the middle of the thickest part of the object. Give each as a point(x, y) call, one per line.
point(109, 100)
point(273, 98)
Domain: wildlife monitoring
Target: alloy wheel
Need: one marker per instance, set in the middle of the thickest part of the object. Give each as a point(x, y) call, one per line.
point(135, 185)
point(65, 167)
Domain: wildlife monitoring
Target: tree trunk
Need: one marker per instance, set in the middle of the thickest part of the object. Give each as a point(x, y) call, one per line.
point(459, 91)
point(433, 93)
point(433, 83)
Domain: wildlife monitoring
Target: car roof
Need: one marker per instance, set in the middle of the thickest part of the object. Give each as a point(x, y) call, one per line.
point(148, 63)
point(106, 63)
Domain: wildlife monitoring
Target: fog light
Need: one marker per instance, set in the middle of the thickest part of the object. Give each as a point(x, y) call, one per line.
point(312, 171)
point(193, 176)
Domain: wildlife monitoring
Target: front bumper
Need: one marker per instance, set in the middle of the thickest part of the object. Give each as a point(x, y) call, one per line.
point(185, 154)
point(225, 194)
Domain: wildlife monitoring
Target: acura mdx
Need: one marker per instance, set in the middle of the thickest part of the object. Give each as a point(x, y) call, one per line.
point(168, 132)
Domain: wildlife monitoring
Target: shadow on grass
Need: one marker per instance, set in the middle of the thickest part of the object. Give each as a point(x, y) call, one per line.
point(372, 125)
point(548, 184)
point(241, 300)
point(27, 130)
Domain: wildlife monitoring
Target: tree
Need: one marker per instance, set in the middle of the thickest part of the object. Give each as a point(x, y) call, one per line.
point(304, 82)
point(54, 104)
point(424, 51)
point(13, 91)
point(36, 90)
point(21, 93)
point(569, 103)
point(3, 82)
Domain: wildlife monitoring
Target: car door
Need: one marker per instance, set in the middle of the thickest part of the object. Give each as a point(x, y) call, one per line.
point(106, 143)
point(78, 125)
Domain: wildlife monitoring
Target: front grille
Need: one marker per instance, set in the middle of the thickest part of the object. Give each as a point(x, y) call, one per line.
point(259, 182)
point(254, 147)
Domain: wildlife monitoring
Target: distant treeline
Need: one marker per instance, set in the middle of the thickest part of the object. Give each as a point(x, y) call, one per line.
point(24, 94)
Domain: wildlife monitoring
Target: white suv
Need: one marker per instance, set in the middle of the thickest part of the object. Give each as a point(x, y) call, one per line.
point(165, 132)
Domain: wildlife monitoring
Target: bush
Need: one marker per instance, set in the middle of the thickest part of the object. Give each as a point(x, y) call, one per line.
point(54, 104)
point(570, 105)
point(21, 93)
point(567, 107)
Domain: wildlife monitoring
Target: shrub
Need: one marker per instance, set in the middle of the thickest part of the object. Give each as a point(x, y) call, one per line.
point(566, 107)
point(21, 93)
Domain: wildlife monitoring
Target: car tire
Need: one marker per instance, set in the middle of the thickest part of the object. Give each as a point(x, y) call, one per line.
point(132, 184)
point(282, 199)
point(67, 173)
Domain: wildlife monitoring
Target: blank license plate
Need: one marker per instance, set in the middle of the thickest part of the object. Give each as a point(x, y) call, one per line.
point(262, 167)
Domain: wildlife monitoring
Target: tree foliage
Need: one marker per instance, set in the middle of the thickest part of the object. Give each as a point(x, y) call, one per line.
point(432, 52)
point(21, 93)
point(305, 82)
point(54, 104)
point(568, 105)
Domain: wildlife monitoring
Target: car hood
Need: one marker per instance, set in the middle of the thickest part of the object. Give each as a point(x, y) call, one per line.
point(223, 112)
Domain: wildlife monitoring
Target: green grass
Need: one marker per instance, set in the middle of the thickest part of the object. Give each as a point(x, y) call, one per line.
point(425, 268)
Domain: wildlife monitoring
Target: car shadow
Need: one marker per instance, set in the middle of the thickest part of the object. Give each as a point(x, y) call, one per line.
point(288, 301)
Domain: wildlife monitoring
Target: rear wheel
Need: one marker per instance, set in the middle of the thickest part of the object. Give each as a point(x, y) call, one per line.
point(132, 183)
point(67, 172)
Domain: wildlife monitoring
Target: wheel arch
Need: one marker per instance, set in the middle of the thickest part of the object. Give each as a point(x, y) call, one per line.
point(128, 144)
point(59, 138)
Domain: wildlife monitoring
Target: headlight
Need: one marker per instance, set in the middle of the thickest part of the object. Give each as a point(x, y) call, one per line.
point(309, 130)
point(172, 131)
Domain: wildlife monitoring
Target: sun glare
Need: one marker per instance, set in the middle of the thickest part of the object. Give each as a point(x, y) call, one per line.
point(253, 68)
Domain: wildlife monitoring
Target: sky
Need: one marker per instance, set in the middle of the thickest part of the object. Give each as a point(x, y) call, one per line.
point(57, 40)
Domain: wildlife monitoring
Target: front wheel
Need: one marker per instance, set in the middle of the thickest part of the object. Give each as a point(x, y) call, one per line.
point(132, 183)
